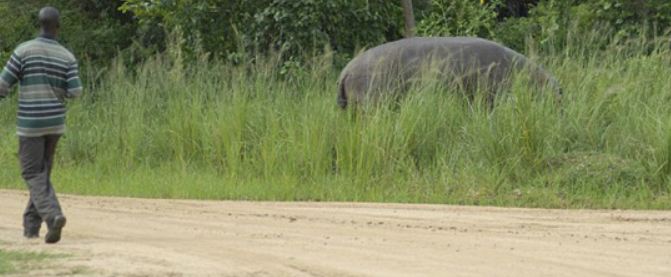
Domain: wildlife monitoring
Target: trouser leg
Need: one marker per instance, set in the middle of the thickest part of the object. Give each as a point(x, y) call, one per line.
point(49, 154)
point(36, 156)
point(31, 220)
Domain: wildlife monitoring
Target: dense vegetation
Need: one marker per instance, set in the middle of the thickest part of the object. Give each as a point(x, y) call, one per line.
point(231, 99)
point(97, 30)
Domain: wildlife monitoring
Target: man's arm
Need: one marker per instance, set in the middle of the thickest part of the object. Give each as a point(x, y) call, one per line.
point(10, 75)
point(74, 83)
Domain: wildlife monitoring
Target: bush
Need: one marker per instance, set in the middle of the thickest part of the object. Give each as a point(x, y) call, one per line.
point(98, 29)
point(459, 18)
point(552, 23)
point(94, 29)
point(295, 28)
point(299, 27)
point(628, 16)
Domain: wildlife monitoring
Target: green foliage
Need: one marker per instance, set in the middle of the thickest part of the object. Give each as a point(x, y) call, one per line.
point(550, 24)
point(213, 25)
point(460, 18)
point(13, 262)
point(628, 16)
point(594, 169)
point(553, 23)
point(238, 30)
point(17, 26)
point(219, 131)
point(94, 30)
point(182, 124)
point(547, 26)
point(298, 27)
point(295, 28)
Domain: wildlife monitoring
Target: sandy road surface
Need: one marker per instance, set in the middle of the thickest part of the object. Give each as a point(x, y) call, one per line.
point(137, 237)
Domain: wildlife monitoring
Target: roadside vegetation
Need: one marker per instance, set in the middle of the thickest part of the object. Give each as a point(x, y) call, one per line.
point(15, 262)
point(185, 121)
point(213, 130)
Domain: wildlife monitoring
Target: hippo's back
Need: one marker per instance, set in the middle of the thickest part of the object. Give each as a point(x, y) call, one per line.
point(464, 60)
point(459, 55)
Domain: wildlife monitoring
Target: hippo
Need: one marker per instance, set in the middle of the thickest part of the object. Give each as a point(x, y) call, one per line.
point(472, 64)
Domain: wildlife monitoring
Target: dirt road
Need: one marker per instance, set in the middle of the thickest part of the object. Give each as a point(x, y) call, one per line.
point(138, 237)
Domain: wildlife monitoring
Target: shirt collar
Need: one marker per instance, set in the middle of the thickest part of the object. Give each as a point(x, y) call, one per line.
point(48, 38)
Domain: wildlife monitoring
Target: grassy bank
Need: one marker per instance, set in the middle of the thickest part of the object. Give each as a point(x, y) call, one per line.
point(17, 262)
point(217, 131)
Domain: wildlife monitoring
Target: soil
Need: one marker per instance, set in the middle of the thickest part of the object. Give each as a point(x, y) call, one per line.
point(108, 236)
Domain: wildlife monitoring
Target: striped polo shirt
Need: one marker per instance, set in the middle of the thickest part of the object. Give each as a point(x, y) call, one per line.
point(47, 74)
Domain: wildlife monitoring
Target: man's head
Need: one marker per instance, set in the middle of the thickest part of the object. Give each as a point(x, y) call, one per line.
point(49, 18)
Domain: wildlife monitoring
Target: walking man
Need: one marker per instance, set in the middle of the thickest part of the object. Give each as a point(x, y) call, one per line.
point(47, 74)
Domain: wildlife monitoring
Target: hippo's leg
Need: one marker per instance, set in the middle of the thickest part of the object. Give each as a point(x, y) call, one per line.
point(342, 92)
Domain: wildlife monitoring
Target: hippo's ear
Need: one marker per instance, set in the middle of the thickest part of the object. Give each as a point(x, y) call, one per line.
point(342, 93)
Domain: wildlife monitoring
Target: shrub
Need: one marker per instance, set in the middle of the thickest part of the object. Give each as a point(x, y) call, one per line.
point(459, 18)
point(295, 28)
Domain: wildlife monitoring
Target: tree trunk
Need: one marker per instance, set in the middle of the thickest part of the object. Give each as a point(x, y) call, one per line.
point(409, 18)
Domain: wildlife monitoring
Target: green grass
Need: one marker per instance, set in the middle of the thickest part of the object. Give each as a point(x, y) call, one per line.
point(217, 131)
point(12, 262)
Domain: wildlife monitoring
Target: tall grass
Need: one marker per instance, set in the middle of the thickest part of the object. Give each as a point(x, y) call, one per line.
point(211, 130)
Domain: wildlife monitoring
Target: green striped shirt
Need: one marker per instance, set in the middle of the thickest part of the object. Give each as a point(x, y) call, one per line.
point(47, 74)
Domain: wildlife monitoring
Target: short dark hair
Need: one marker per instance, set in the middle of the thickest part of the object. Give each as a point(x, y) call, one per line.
point(49, 18)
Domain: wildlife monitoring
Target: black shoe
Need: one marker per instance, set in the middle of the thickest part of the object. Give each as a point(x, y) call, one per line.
point(54, 233)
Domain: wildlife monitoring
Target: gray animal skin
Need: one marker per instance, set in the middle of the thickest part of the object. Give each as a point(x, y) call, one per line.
point(466, 62)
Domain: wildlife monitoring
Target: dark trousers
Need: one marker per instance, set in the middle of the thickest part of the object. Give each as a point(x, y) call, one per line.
point(37, 156)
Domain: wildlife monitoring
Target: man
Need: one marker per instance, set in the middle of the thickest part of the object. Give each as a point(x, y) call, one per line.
point(47, 74)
